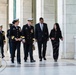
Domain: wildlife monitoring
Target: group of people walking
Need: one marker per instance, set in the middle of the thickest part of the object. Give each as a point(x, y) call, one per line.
point(27, 35)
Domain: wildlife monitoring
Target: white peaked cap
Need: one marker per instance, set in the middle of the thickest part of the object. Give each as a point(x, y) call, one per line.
point(30, 19)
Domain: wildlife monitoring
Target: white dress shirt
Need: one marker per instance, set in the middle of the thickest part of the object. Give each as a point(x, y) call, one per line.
point(41, 26)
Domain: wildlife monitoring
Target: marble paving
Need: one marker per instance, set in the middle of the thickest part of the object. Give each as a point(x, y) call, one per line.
point(49, 67)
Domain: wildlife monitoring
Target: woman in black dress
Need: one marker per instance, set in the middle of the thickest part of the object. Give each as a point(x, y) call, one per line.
point(55, 36)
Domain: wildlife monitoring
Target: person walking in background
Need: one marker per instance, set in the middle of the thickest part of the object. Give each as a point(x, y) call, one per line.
point(9, 39)
point(2, 40)
point(16, 36)
point(41, 36)
point(28, 34)
point(55, 35)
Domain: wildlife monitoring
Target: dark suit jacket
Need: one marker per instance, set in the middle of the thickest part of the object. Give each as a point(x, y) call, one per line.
point(41, 35)
point(2, 37)
point(15, 32)
point(28, 33)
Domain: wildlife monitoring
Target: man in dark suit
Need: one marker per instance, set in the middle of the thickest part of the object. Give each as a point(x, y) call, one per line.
point(28, 34)
point(41, 36)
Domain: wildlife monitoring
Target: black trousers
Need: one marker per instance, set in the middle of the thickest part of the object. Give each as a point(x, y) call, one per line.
point(42, 48)
point(2, 49)
point(55, 45)
point(16, 45)
point(28, 49)
point(25, 52)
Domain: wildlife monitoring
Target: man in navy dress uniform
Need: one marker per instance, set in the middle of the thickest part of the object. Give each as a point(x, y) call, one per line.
point(15, 33)
point(28, 34)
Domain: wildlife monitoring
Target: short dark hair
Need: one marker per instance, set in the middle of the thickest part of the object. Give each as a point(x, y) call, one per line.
point(10, 25)
point(41, 18)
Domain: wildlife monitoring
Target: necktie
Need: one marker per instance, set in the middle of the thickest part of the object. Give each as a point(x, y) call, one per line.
point(16, 27)
point(42, 27)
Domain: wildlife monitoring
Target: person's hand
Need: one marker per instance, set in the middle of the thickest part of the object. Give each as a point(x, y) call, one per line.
point(52, 38)
point(19, 39)
point(62, 39)
point(16, 39)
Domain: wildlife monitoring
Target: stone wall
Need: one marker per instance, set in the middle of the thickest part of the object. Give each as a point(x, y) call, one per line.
point(50, 19)
point(70, 27)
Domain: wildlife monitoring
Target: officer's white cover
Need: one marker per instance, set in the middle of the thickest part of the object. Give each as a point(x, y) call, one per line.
point(30, 19)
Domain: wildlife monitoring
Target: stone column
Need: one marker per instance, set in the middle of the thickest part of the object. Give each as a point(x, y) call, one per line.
point(3, 17)
point(59, 19)
point(27, 10)
point(70, 16)
point(34, 11)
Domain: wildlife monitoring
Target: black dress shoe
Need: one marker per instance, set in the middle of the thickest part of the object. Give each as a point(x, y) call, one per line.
point(55, 60)
point(12, 61)
point(32, 61)
point(3, 56)
point(25, 60)
point(19, 62)
point(44, 58)
point(40, 59)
